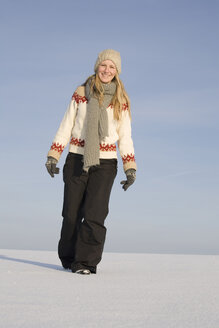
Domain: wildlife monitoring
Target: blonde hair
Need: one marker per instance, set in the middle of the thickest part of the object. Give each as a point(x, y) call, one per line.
point(119, 99)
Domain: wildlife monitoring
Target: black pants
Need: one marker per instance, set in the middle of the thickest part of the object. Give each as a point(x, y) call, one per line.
point(85, 207)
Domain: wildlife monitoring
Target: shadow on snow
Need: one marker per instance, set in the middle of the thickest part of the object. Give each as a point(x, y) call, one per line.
point(41, 264)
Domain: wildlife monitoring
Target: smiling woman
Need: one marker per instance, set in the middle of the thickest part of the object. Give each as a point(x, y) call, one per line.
point(98, 116)
point(106, 71)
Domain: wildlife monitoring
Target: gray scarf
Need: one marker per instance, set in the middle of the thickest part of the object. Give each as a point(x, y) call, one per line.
point(97, 123)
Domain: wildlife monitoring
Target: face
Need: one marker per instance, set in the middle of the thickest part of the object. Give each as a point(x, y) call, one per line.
point(106, 71)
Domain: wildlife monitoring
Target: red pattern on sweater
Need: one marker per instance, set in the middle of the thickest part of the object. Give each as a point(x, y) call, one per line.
point(103, 147)
point(124, 106)
point(107, 147)
point(78, 98)
point(77, 142)
point(83, 99)
point(57, 147)
point(128, 158)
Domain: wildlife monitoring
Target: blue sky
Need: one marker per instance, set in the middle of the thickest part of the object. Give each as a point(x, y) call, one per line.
point(170, 67)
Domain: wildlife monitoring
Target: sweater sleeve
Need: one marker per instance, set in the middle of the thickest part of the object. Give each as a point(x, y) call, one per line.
point(63, 134)
point(125, 142)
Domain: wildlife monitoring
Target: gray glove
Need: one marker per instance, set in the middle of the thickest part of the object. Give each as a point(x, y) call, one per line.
point(131, 176)
point(51, 166)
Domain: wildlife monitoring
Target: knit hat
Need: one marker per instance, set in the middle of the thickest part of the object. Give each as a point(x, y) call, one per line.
point(111, 55)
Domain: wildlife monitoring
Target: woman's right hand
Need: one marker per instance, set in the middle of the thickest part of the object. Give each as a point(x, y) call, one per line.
point(51, 166)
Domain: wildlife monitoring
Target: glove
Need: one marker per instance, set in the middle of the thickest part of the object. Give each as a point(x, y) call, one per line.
point(131, 176)
point(51, 166)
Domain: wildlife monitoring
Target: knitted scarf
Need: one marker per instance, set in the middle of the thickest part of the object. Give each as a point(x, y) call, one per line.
point(97, 123)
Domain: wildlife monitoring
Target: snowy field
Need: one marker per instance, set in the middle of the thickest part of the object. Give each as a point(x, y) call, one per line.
point(129, 290)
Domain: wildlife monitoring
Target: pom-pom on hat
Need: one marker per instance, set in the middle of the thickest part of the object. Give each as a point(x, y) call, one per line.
point(111, 55)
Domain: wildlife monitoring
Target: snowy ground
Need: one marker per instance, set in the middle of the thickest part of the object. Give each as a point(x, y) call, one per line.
point(129, 290)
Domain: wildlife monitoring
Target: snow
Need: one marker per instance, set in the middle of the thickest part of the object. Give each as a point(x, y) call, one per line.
point(129, 290)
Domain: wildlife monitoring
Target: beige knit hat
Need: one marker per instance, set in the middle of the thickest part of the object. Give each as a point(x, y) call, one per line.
point(111, 55)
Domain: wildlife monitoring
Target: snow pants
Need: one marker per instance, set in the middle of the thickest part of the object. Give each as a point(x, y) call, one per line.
point(85, 207)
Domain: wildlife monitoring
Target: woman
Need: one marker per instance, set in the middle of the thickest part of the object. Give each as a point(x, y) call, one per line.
point(97, 117)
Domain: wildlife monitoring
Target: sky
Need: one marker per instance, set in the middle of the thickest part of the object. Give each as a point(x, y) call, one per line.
point(170, 69)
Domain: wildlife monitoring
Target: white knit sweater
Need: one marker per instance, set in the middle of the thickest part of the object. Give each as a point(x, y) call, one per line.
point(73, 127)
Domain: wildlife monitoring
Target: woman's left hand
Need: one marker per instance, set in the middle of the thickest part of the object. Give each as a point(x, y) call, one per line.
point(131, 176)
